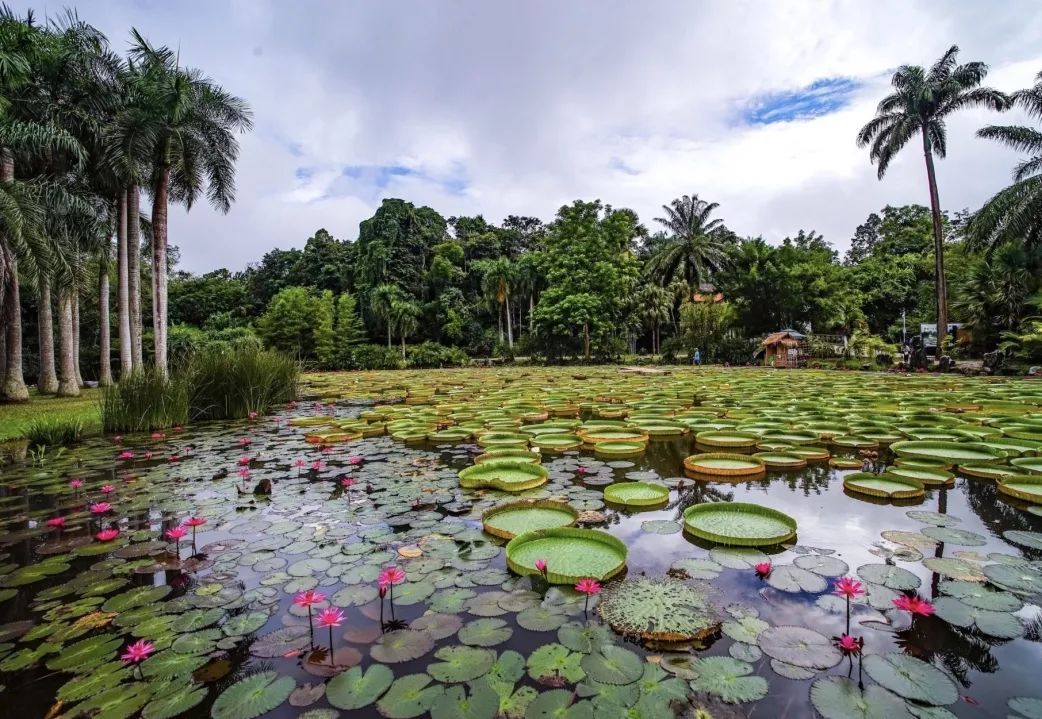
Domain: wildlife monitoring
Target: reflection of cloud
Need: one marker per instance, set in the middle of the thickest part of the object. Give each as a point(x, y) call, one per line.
point(631, 103)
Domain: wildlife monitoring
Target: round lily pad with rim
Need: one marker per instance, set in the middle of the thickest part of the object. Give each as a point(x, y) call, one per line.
point(739, 524)
point(883, 485)
point(728, 679)
point(636, 494)
point(955, 453)
point(619, 448)
point(504, 475)
point(929, 477)
point(571, 554)
point(781, 460)
point(255, 695)
point(1023, 487)
point(724, 464)
point(657, 610)
point(727, 439)
point(513, 518)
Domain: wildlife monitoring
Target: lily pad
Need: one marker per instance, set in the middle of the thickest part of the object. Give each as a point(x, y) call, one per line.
point(889, 576)
point(840, 698)
point(409, 696)
point(356, 689)
point(255, 695)
point(728, 679)
point(739, 524)
point(911, 678)
point(799, 646)
point(613, 664)
point(788, 578)
point(554, 665)
point(485, 632)
point(401, 645)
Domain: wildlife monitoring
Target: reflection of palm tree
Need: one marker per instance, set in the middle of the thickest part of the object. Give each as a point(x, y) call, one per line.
point(958, 650)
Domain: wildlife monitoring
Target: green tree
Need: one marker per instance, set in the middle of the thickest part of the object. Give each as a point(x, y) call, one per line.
point(188, 125)
point(497, 280)
point(703, 325)
point(590, 271)
point(1015, 213)
point(299, 322)
point(695, 246)
point(654, 308)
point(405, 316)
point(348, 330)
point(194, 300)
point(381, 304)
point(394, 246)
point(920, 104)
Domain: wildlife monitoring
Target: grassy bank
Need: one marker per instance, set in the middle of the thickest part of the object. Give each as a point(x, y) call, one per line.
point(16, 418)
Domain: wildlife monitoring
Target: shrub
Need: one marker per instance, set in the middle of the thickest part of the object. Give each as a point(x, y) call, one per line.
point(229, 383)
point(432, 354)
point(54, 432)
point(368, 357)
point(145, 400)
point(298, 320)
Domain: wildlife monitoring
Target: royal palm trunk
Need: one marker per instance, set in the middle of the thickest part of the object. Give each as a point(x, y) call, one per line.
point(76, 336)
point(938, 249)
point(13, 389)
point(159, 237)
point(67, 384)
point(104, 340)
point(48, 380)
point(134, 273)
point(126, 361)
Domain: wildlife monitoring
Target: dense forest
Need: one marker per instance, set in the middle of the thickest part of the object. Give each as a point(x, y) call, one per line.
point(95, 147)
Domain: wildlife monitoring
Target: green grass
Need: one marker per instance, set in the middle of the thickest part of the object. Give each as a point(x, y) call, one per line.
point(15, 419)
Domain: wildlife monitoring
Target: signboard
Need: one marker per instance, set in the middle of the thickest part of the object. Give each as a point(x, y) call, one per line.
point(929, 332)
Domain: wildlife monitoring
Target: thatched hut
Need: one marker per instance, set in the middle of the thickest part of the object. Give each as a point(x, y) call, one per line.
point(786, 348)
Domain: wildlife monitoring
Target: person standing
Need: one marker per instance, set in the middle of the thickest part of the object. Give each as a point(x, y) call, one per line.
point(696, 359)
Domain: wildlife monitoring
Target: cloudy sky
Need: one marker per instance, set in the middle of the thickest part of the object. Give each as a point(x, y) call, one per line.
point(477, 106)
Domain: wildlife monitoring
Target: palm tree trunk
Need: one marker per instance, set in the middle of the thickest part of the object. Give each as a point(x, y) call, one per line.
point(531, 313)
point(76, 336)
point(499, 320)
point(159, 237)
point(938, 249)
point(104, 338)
point(67, 384)
point(586, 340)
point(403, 346)
point(388, 334)
point(13, 389)
point(48, 380)
point(126, 361)
point(134, 273)
point(510, 329)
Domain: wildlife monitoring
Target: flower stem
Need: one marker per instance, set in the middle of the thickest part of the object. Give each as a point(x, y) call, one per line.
point(848, 614)
point(311, 627)
point(330, 645)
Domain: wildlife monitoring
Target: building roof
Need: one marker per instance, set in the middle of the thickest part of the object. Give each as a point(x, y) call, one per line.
point(789, 338)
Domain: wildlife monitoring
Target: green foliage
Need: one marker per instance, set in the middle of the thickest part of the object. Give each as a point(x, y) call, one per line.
point(145, 400)
point(54, 432)
point(348, 331)
point(230, 383)
point(370, 357)
point(704, 325)
point(298, 321)
point(195, 300)
point(432, 354)
point(590, 271)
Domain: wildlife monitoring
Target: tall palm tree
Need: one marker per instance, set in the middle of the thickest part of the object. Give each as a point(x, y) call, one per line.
point(405, 316)
point(382, 299)
point(1016, 212)
point(496, 283)
point(921, 102)
point(696, 246)
point(188, 125)
point(655, 308)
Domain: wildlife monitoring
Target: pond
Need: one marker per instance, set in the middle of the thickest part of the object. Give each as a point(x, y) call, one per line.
point(365, 480)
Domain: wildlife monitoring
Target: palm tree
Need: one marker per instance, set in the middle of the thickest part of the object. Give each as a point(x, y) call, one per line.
point(696, 246)
point(528, 276)
point(921, 101)
point(655, 308)
point(405, 316)
point(1015, 212)
point(188, 125)
point(496, 283)
point(382, 299)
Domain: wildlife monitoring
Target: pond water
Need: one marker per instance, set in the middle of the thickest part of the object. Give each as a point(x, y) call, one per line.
point(230, 641)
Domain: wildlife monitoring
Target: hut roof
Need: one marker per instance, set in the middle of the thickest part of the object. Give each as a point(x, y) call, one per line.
point(788, 338)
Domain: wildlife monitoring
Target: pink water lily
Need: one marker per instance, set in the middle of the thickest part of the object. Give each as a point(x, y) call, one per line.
point(75, 483)
point(139, 651)
point(391, 576)
point(299, 463)
point(117, 439)
point(915, 605)
point(327, 450)
point(330, 617)
point(850, 645)
point(354, 459)
point(194, 522)
point(245, 460)
point(540, 564)
point(177, 533)
point(245, 441)
point(849, 588)
point(107, 489)
point(148, 454)
point(56, 522)
point(318, 465)
point(307, 599)
point(244, 472)
point(763, 569)
point(253, 415)
point(107, 535)
point(581, 470)
point(126, 454)
point(100, 508)
point(158, 435)
point(589, 587)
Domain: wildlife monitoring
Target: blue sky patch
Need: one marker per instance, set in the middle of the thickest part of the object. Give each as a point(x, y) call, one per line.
point(819, 98)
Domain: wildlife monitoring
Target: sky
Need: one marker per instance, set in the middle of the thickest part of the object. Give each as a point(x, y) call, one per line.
point(497, 108)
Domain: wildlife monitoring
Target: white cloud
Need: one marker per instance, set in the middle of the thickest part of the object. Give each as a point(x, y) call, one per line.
point(534, 104)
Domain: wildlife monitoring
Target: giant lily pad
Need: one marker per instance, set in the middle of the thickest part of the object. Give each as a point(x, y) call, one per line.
point(255, 695)
point(840, 698)
point(739, 523)
point(355, 689)
point(728, 679)
point(911, 678)
point(799, 646)
point(571, 554)
point(882, 485)
point(723, 464)
point(505, 475)
point(513, 518)
point(657, 609)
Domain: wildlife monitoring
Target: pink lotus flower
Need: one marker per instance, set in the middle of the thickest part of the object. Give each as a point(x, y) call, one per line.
point(245, 441)
point(317, 465)
point(75, 483)
point(915, 605)
point(354, 459)
point(391, 576)
point(176, 534)
point(245, 460)
point(148, 454)
point(763, 569)
point(117, 439)
point(540, 564)
point(56, 522)
point(348, 482)
point(107, 489)
point(244, 472)
point(331, 617)
point(126, 454)
point(589, 587)
point(849, 588)
point(158, 435)
point(850, 645)
point(194, 522)
point(308, 598)
point(107, 535)
point(253, 415)
point(100, 508)
point(139, 651)
point(327, 450)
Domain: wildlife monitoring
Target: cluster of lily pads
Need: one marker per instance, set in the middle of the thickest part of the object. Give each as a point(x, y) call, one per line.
point(398, 543)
